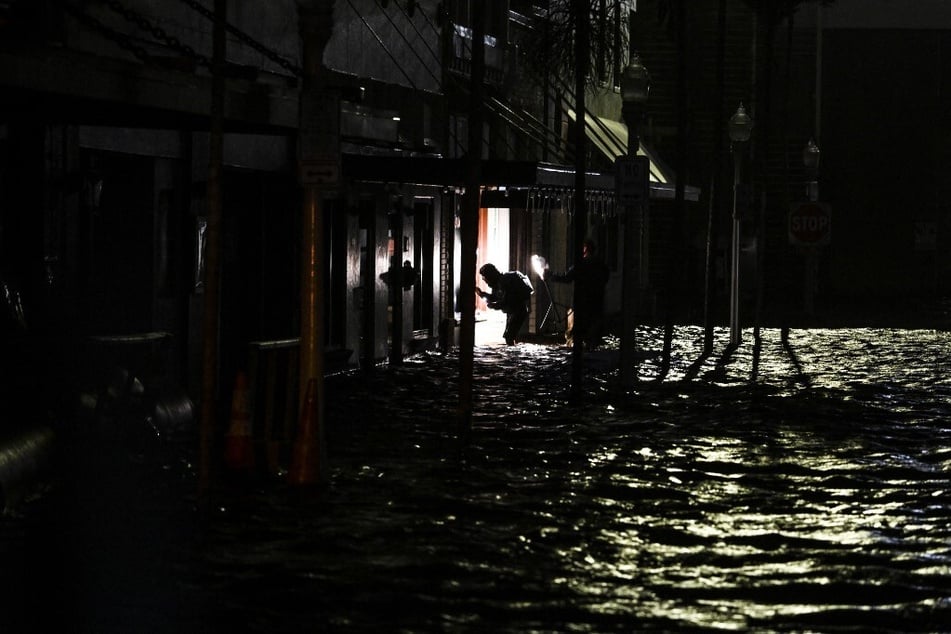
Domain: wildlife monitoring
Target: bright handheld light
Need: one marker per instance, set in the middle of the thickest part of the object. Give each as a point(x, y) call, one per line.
point(539, 264)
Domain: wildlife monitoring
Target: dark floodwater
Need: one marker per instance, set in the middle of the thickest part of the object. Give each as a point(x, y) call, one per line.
point(803, 488)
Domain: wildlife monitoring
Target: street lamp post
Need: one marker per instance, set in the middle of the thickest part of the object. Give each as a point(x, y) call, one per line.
point(633, 190)
point(810, 160)
point(635, 88)
point(741, 126)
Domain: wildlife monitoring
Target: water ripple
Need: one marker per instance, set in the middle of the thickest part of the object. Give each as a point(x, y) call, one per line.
point(797, 485)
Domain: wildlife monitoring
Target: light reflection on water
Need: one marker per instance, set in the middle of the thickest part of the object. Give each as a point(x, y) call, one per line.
point(801, 487)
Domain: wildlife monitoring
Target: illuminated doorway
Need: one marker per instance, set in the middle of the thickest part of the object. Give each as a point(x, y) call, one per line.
point(493, 247)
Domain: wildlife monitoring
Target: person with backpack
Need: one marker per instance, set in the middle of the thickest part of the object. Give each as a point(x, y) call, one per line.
point(511, 293)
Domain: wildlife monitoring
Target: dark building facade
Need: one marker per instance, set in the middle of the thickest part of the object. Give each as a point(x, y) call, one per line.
point(105, 157)
point(860, 79)
point(105, 153)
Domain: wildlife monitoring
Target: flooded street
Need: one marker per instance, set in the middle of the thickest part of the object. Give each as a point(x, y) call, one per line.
point(782, 487)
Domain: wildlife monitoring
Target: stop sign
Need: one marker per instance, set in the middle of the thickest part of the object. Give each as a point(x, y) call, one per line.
point(810, 224)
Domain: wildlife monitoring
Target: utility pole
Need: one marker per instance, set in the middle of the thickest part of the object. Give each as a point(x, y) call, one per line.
point(212, 282)
point(319, 167)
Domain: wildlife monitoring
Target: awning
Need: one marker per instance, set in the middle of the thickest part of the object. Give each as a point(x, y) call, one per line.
point(514, 184)
point(502, 176)
point(611, 137)
point(430, 170)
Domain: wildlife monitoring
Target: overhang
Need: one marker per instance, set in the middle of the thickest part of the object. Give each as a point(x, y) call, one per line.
point(611, 139)
point(437, 171)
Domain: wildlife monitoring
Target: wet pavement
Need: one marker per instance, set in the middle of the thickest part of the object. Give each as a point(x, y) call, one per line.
point(796, 487)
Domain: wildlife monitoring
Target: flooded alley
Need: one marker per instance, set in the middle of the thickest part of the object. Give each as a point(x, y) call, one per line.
point(797, 487)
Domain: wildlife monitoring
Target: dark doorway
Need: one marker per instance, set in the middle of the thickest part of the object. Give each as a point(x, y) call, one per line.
point(423, 244)
point(118, 244)
point(335, 274)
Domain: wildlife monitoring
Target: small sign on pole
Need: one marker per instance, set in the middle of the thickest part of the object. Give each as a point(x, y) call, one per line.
point(320, 172)
point(632, 181)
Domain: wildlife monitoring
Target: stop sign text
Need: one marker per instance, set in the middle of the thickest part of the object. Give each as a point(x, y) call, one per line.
point(810, 224)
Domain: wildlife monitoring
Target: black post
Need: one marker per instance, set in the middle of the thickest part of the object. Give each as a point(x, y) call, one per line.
point(212, 282)
point(582, 46)
point(470, 223)
point(714, 195)
point(395, 282)
point(633, 225)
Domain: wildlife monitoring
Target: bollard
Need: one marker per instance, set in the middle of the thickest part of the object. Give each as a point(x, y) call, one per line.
point(239, 449)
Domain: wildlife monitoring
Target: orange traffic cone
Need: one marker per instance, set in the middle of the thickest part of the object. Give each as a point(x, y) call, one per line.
point(306, 463)
point(239, 448)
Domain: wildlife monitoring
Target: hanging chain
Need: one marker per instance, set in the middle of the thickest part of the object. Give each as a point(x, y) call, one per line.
point(157, 32)
point(247, 39)
point(121, 39)
point(126, 42)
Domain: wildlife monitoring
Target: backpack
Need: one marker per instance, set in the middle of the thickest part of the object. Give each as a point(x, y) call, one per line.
point(527, 290)
point(521, 289)
point(513, 292)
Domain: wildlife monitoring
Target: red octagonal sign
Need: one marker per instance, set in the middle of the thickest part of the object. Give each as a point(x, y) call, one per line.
point(810, 224)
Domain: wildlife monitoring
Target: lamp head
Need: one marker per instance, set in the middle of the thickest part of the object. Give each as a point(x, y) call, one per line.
point(810, 154)
point(741, 125)
point(635, 82)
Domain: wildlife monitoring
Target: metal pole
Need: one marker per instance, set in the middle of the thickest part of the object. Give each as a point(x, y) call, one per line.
point(740, 127)
point(582, 47)
point(735, 332)
point(632, 240)
point(811, 252)
point(212, 282)
point(318, 137)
